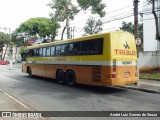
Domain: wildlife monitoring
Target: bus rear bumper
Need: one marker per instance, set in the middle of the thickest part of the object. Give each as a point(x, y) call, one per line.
point(121, 81)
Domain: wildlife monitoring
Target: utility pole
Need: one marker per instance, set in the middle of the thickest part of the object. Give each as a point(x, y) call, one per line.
point(135, 4)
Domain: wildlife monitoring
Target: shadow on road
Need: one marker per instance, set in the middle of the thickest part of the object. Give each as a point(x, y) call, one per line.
point(94, 89)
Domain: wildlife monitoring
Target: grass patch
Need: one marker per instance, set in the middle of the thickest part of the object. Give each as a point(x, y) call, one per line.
point(150, 75)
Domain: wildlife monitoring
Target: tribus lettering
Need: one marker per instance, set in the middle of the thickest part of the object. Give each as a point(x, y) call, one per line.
point(124, 52)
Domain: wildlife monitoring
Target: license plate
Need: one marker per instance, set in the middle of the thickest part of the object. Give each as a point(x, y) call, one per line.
point(126, 74)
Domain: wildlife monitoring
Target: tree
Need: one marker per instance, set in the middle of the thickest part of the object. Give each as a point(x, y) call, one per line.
point(93, 26)
point(41, 26)
point(65, 10)
point(17, 40)
point(4, 39)
point(129, 27)
point(156, 18)
point(96, 6)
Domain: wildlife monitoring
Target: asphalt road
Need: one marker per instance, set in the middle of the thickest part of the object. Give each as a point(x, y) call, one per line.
point(47, 95)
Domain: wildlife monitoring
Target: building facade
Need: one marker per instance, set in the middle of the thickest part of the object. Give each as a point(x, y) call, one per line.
point(149, 29)
point(6, 54)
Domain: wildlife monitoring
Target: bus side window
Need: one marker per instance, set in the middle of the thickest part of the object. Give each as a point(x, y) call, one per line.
point(100, 45)
point(70, 49)
point(63, 47)
point(24, 55)
point(30, 53)
point(44, 52)
point(67, 49)
point(93, 47)
point(76, 48)
point(36, 52)
point(52, 51)
point(48, 51)
point(58, 50)
point(41, 52)
point(85, 47)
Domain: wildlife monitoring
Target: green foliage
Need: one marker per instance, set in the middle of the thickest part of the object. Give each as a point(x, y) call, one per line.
point(96, 6)
point(61, 10)
point(66, 10)
point(16, 40)
point(4, 38)
point(93, 26)
point(129, 27)
point(41, 26)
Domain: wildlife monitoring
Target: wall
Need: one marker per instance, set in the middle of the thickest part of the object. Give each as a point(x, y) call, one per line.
point(149, 60)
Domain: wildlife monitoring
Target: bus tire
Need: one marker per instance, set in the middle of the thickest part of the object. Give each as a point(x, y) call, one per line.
point(70, 78)
point(60, 76)
point(30, 72)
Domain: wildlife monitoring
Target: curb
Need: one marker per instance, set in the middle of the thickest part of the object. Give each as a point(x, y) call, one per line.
point(142, 89)
point(156, 79)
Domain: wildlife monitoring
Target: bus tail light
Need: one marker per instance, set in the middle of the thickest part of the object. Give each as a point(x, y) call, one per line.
point(113, 75)
point(114, 65)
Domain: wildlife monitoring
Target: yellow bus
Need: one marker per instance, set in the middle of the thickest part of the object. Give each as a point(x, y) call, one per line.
point(107, 59)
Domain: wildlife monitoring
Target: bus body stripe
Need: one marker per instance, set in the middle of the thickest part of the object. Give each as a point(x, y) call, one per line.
point(119, 63)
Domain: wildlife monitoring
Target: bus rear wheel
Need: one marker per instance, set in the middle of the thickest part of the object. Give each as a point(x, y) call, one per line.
point(70, 78)
point(60, 76)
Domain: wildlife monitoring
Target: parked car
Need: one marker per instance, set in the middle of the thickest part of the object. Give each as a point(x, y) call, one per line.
point(3, 62)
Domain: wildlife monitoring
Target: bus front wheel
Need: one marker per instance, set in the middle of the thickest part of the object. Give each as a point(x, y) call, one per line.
point(60, 76)
point(70, 78)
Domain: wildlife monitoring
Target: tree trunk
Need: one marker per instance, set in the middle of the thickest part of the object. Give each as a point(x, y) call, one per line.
point(63, 32)
point(54, 33)
point(156, 20)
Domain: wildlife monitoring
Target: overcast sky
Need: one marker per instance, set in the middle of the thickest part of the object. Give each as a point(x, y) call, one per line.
point(14, 12)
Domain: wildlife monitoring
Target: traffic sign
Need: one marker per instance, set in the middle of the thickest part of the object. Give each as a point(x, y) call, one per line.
point(138, 41)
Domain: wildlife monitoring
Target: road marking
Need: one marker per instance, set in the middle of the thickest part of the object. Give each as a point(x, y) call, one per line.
point(14, 99)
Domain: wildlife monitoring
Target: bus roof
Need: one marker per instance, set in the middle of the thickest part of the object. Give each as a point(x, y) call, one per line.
point(73, 40)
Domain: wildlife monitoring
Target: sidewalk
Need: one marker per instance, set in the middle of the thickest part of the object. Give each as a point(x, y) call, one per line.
point(152, 86)
point(9, 104)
